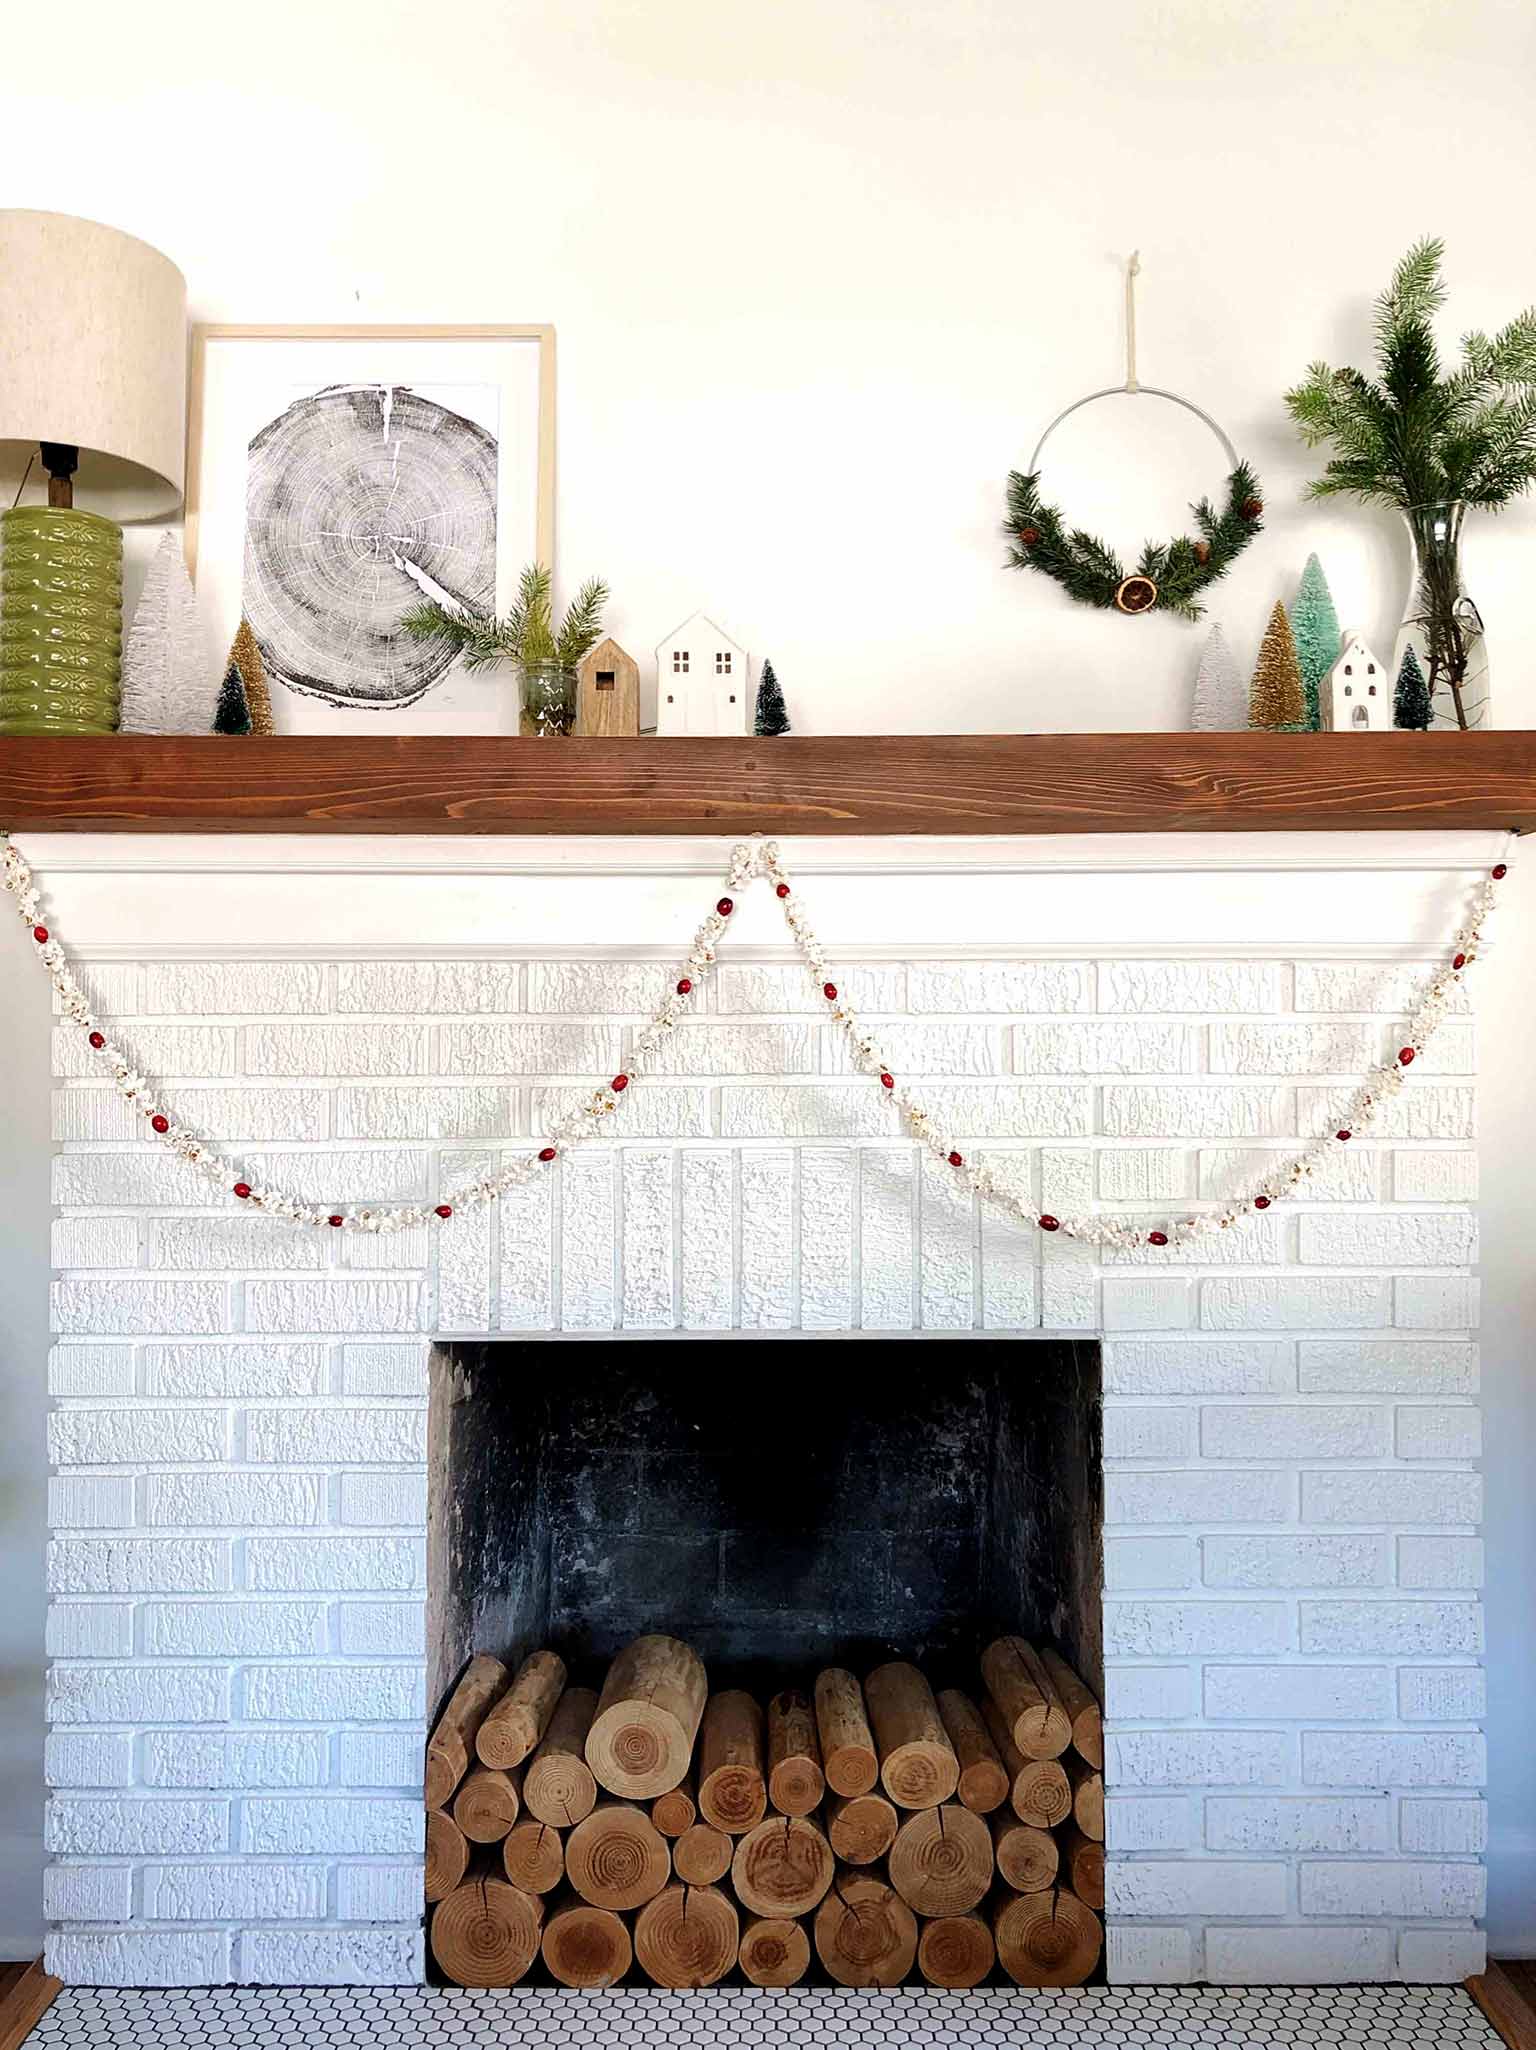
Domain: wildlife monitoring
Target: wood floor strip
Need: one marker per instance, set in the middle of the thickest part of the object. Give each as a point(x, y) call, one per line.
point(1503, 2003)
point(26, 1994)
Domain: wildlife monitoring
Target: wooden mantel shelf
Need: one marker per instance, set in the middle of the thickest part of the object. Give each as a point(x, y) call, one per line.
point(945, 783)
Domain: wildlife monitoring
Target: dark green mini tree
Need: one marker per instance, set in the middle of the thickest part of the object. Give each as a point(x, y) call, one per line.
point(233, 711)
point(772, 718)
point(1410, 700)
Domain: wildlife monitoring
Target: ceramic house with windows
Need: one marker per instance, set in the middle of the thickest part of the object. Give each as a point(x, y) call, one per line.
point(701, 681)
point(1356, 694)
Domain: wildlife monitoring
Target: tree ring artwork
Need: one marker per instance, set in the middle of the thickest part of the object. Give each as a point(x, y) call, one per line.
point(360, 501)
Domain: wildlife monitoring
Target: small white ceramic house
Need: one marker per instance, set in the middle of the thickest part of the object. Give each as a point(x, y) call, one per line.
point(701, 681)
point(1356, 696)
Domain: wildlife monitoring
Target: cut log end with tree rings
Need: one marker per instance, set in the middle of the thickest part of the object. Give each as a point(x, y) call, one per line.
point(447, 1855)
point(783, 1867)
point(487, 1804)
point(1082, 1707)
point(533, 1856)
point(702, 1854)
point(941, 1861)
point(1042, 1793)
point(514, 1727)
point(1027, 1858)
point(1087, 1798)
point(617, 1858)
point(558, 1786)
point(586, 1947)
point(865, 1933)
point(1046, 1939)
point(984, 1781)
point(1082, 1865)
point(647, 1717)
point(687, 1936)
point(775, 1952)
point(676, 1811)
point(955, 1951)
point(1019, 1684)
point(486, 1933)
point(848, 1756)
point(918, 1766)
point(796, 1783)
point(733, 1792)
point(861, 1828)
point(451, 1746)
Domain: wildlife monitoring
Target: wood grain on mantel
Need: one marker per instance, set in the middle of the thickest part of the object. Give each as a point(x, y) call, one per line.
point(888, 783)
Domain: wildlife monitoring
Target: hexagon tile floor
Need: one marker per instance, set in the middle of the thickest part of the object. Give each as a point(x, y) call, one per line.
point(1096, 2018)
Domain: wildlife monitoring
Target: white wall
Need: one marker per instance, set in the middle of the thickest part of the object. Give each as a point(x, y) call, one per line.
point(820, 273)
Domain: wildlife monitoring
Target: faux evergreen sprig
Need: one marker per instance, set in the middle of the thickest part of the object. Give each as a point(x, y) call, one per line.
point(527, 634)
point(1090, 571)
point(1411, 437)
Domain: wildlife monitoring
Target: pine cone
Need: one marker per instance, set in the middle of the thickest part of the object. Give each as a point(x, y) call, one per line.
point(1251, 508)
point(1028, 536)
point(1202, 552)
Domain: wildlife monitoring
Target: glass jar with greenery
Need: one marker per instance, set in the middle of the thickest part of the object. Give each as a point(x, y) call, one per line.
point(545, 655)
point(1431, 446)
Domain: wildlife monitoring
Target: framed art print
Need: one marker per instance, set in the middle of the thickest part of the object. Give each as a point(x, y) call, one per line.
point(336, 477)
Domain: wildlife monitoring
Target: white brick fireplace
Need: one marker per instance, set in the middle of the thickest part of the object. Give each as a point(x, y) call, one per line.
point(1292, 1624)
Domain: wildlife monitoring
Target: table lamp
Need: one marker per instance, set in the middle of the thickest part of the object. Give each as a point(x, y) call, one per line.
point(93, 397)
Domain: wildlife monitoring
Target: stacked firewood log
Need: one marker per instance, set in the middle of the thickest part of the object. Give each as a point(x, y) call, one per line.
point(883, 1830)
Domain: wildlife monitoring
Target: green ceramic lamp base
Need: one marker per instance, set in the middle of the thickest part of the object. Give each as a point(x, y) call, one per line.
point(61, 621)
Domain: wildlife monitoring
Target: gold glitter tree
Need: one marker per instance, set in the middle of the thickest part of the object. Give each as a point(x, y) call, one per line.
point(245, 656)
point(1277, 699)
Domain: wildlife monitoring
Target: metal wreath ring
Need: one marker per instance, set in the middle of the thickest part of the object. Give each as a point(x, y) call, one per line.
point(1169, 574)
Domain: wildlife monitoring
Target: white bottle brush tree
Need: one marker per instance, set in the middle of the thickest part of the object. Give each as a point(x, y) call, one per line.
point(1221, 696)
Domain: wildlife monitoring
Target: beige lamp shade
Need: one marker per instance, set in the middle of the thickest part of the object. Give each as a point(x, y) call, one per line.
point(93, 353)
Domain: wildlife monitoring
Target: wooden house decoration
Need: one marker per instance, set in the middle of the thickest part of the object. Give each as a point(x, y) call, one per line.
point(1356, 694)
point(702, 684)
point(607, 693)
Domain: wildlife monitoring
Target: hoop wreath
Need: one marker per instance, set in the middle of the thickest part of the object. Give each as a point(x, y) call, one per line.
point(1170, 574)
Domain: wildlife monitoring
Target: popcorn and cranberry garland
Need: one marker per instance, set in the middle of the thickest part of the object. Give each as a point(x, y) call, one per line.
point(585, 1121)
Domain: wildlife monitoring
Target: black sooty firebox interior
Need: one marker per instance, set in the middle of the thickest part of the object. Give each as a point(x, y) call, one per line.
point(779, 1504)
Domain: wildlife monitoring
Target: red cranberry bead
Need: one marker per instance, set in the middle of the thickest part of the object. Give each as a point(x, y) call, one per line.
point(1460, 961)
point(1261, 1202)
point(1342, 1135)
point(957, 1160)
point(40, 934)
point(1049, 1223)
point(159, 1124)
point(95, 1039)
point(546, 1153)
point(1404, 1055)
point(684, 986)
point(1157, 1238)
point(336, 1219)
point(725, 907)
point(1500, 873)
point(242, 1189)
point(829, 990)
point(887, 1081)
point(782, 890)
point(444, 1210)
point(619, 1084)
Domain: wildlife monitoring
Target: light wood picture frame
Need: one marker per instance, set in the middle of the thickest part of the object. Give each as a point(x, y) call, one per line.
point(338, 474)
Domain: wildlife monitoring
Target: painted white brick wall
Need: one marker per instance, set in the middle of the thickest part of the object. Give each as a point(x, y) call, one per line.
point(238, 1566)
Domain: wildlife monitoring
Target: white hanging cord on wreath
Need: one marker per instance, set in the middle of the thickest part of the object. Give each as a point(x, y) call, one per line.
point(1133, 383)
point(749, 860)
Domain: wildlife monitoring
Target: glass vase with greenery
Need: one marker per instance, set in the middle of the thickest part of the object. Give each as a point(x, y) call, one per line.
point(545, 655)
point(1433, 446)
